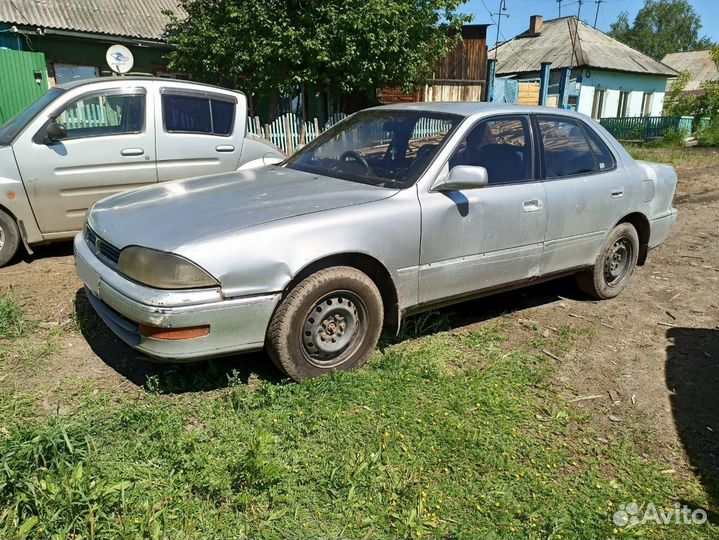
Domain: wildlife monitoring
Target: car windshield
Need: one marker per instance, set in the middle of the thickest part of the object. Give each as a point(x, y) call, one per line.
point(381, 147)
point(15, 125)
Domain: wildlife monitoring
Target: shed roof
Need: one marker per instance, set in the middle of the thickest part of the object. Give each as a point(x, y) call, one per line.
point(567, 42)
point(700, 64)
point(142, 19)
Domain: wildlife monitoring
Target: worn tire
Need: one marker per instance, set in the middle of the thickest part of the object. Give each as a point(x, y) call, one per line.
point(9, 238)
point(340, 293)
point(600, 280)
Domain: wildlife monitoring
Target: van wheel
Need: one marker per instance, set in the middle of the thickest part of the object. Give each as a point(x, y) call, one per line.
point(614, 266)
point(9, 238)
point(330, 322)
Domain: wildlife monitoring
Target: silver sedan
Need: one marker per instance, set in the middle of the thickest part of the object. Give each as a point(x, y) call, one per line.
point(396, 210)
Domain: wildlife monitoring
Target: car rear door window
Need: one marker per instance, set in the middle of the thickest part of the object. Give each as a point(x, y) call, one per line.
point(605, 158)
point(566, 149)
point(223, 116)
point(197, 114)
point(501, 145)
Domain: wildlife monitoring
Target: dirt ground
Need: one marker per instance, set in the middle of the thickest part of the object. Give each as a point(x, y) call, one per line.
point(648, 360)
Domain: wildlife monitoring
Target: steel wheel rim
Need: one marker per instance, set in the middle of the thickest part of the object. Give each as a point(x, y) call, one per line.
point(616, 263)
point(332, 329)
point(2, 238)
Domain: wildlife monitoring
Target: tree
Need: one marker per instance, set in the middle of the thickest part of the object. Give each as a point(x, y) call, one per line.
point(350, 46)
point(661, 27)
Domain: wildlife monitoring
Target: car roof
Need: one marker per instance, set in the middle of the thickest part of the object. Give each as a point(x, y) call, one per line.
point(124, 78)
point(469, 108)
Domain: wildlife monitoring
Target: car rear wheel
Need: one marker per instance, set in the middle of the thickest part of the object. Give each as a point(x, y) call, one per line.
point(614, 266)
point(331, 321)
point(9, 238)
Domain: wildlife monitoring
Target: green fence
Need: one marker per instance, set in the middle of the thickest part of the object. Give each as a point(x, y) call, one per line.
point(644, 128)
point(23, 79)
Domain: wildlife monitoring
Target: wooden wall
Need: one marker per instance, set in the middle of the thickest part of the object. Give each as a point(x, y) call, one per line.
point(468, 61)
point(459, 77)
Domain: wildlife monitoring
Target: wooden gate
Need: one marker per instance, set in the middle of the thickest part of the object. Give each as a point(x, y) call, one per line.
point(23, 79)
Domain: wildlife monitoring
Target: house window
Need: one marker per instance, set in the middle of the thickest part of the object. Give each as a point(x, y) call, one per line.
point(65, 73)
point(623, 103)
point(598, 103)
point(647, 103)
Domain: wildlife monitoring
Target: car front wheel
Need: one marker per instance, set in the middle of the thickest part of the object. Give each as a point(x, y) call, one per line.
point(9, 238)
point(614, 266)
point(331, 321)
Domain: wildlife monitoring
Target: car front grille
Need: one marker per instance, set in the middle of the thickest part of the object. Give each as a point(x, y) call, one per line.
point(100, 247)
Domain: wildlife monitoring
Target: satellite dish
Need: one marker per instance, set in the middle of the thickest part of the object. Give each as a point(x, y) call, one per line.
point(119, 58)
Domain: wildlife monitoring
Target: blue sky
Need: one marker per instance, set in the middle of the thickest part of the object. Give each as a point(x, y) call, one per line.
point(520, 10)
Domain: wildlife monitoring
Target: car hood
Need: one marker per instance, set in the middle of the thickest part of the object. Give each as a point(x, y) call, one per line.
point(170, 215)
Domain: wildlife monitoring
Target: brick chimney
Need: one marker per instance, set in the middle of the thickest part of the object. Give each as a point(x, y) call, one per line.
point(536, 23)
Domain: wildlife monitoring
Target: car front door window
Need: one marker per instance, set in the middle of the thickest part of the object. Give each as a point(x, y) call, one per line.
point(103, 114)
point(503, 146)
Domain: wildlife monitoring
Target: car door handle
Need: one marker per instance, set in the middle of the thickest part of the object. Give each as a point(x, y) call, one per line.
point(225, 148)
point(617, 193)
point(132, 151)
point(532, 206)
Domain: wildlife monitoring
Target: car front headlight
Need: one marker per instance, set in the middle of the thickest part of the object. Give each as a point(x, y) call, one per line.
point(162, 270)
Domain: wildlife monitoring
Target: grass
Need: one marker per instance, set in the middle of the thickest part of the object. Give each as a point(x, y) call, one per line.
point(446, 435)
point(673, 155)
point(12, 323)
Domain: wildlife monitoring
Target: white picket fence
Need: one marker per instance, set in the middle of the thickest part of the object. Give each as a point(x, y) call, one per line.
point(289, 130)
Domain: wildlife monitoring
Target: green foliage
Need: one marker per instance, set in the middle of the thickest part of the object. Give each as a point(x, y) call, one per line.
point(709, 136)
point(12, 323)
point(452, 435)
point(703, 104)
point(661, 27)
point(266, 46)
point(673, 137)
point(677, 102)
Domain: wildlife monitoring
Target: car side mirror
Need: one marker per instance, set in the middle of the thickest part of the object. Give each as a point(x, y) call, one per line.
point(55, 131)
point(463, 177)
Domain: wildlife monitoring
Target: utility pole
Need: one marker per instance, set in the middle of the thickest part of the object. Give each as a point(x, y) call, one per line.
point(499, 14)
point(596, 15)
point(559, 5)
point(579, 9)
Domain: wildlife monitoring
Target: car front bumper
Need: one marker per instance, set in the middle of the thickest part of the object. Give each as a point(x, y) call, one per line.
point(236, 325)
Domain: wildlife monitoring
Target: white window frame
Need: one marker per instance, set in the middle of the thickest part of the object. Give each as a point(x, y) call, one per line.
point(598, 102)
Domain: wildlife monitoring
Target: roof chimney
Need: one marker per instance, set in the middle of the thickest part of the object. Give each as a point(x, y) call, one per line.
point(536, 22)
